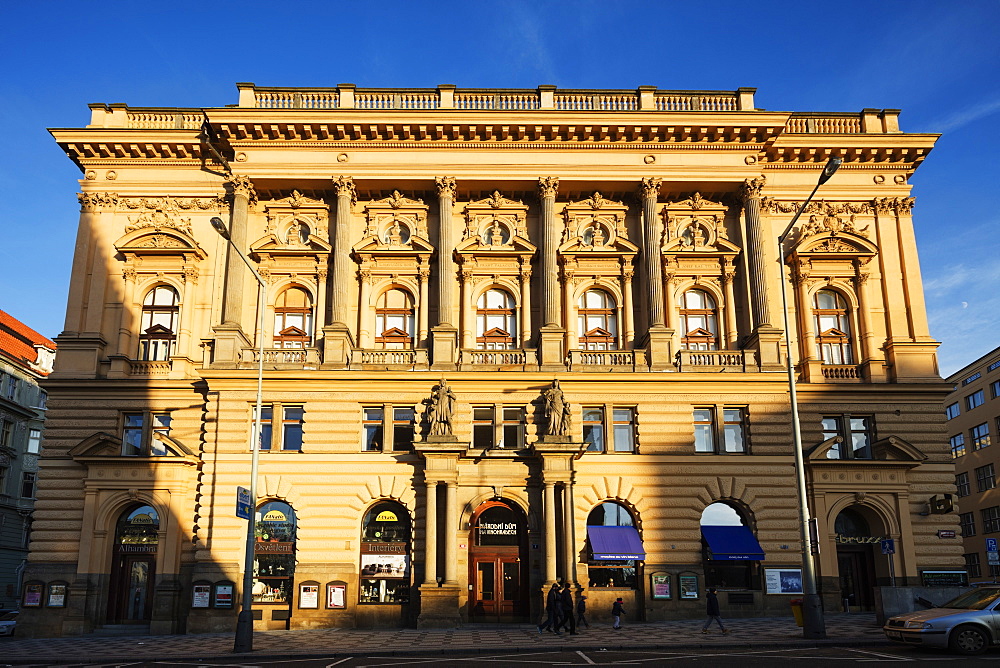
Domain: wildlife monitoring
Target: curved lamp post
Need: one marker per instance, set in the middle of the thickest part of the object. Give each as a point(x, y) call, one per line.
point(814, 626)
point(244, 624)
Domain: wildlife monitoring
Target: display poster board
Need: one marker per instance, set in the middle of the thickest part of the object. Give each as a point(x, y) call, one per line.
point(224, 596)
point(387, 566)
point(309, 596)
point(336, 596)
point(201, 596)
point(57, 596)
point(33, 596)
point(944, 578)
point(688, 586)
point(660, 586)
point(783, 580)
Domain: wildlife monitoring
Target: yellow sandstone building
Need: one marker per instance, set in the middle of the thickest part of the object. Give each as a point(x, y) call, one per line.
point(510, 337)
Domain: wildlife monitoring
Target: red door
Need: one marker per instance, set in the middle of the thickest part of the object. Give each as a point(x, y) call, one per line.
point(498, 591)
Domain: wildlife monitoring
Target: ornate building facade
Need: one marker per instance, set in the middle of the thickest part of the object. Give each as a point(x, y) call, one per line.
point(510, 337)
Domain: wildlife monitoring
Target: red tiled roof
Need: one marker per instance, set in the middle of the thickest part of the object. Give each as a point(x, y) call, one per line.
point(18, 341)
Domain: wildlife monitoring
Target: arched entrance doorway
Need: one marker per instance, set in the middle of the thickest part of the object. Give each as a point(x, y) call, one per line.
point(133, 566)
point(856, 545)
point(498, 550)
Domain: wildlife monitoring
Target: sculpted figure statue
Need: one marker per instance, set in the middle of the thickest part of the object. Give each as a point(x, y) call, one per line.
point(557, 411)
point(441, 409)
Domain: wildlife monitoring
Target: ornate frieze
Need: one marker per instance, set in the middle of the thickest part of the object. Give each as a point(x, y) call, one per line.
point(897, 205)
point(696, 225)
point(395, 221)
point(90, 202)
point(594, 224)
point(495, 223)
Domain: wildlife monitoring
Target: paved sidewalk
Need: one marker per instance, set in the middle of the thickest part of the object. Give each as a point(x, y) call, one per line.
point(842, 630)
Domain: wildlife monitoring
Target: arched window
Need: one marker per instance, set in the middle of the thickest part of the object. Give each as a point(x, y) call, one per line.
point(613, 570)
point(385, 554)
point(274, 553)
point(293, 319)
point(699, 322)
point(158, 330)
point(833, 330)
point(394, 317)
point(495, 320)
point(597, 321)
point(731, 554)
point(850, 523)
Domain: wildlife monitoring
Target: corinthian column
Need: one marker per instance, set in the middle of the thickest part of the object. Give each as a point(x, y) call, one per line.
point(757, 244)
point(651, 235)
point(241, 192)
point(444, 335)
point(341, 237)
point(551, 340)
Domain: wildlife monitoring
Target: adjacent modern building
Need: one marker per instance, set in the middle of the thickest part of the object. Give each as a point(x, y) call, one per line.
point(508, 338)
point(973, 414)
point(26, 358)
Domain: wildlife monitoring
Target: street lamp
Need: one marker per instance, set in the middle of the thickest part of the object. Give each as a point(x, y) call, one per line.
point(813, 625)
point(244, 624)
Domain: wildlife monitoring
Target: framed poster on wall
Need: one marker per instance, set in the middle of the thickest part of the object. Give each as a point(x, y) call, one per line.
point(336, 596)
point(660, 586)
point(309, 595)
point(32, 596)
point(57, 596)
point(688, 586)
point(201, 596)
point(783, 580)
point(224, 596)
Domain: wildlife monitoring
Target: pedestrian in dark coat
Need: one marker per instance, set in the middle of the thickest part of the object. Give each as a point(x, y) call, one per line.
point(712, 608)
point(581, 612)
point(553, 611)
point(617, 610)
point(566, 599)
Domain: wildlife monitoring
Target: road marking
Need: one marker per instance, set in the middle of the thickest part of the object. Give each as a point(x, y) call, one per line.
point(346, 658)
point(586, 658)
point(893, 657)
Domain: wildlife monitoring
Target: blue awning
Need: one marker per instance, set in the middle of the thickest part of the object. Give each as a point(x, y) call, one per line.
point(734, 543)
point(615, 543)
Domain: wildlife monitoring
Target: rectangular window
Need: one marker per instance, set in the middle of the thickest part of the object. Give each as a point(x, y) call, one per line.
point(704, 430)
point(266, 431)
point(281, 427)
point(962, 484)
point(28, 485)
point(142, 432)
point(733, 430)
point(975, 376)
point(710, 436)
point(973, 400)
point(161, 427)
point(10, 387)
point(952, 411)
point(3, 480)
point(482, 427)
point(967, 522)
point(34, 441)
point(387, 428)
point(991, 519)
point(957, 445)
point(981, 436)
point(593, 429)
point(623, 431)
point(43, 399)
point(972, 564)
point(857, 432)
point(291, 428)
point(132, 434)
point(402, 429)
point(985, 478)
point(6, 432)
point(994, 365)
point(512, 433)
point(372, 419)
point(995, 389)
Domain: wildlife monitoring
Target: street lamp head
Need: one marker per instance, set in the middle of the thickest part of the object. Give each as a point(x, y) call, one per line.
point(220, 227)
point(831, 166)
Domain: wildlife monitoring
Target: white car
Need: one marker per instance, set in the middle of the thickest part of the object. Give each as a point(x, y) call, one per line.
point(8, 623)
point(968, 624)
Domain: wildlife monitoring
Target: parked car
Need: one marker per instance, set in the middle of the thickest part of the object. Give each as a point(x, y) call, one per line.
point(968, 624)
point(8, 623)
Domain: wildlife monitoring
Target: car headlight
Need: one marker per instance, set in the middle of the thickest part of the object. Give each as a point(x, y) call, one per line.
point(917, 625)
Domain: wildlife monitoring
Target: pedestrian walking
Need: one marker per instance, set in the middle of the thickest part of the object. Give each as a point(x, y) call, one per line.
point(566, 599)
point(712, 607)
point(553, 608)
point(617, 611)
point(581, 612)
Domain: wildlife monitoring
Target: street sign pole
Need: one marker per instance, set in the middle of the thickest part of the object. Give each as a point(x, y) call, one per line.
point(889, 550)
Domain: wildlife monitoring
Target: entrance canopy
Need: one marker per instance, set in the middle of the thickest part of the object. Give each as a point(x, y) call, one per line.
point(732, 543)
point(615, 543)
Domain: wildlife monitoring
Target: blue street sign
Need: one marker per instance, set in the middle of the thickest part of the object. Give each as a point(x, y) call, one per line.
point(243, 508)
point(991, 544)
point(888, 546)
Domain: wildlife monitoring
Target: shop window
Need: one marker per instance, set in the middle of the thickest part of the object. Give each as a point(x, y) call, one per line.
point(967, 522)
point(394, 320)
point(274, 553)
point(986, 478)
point(725, 437)
point(699, 321)
point(962, 484)
point(281, 427)
point(597, 321)
point(833, 330)
point(981, 436)
point(731, 554)
point(974, 400)
point(496, 320)
point(952, 411)
point(957, 445)
point(387, 428)
point(972, 564)
point(857, 432)
point(385, 554)
point(143, 434)
point(610, 572)
point(293, 318)
point(158, 330)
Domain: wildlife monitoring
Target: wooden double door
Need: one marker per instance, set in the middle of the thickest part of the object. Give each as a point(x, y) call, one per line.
point(856, 566)
point(130, 598)
point(499, 587)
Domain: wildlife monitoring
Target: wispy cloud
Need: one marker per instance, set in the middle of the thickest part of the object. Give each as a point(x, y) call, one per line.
point(535, 52)
point(965, 116)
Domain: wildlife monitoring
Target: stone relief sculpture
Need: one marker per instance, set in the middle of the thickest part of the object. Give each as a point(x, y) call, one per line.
point(557, 411)
point(441, 409)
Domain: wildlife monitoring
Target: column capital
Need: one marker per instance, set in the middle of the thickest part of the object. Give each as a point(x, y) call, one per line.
point(90, 202)
point(649, 186)
point(344, 185)
point(548, 186)
point(241, 185)
point(751, 188)
point(446, 186)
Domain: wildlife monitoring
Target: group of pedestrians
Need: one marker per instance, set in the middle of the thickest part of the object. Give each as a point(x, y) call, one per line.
point(559, 611)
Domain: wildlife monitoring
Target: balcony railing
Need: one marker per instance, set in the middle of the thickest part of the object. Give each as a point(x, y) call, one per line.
point(601, 360)
point(392, 359)
point(841, 372)
point(710, 360)
point(149, 369)
point(497, 359)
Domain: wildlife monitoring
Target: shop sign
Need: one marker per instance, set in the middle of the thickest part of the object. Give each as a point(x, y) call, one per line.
point(384, 548)
point(274, 548)
point(946, 533)
point(144, 518)
point(274, 516)
point(141, 548)
point(944, 578)
point(386, 516)
point(497, 529)
point(858, 540)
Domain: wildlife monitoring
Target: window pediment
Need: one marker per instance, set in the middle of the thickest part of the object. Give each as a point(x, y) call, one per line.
point(155, 240)
point(833, 333)
point(105, 445)
point(599, 332)
point(496, 332)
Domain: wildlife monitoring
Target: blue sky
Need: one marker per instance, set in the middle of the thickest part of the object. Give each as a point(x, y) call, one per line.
point(938, 62)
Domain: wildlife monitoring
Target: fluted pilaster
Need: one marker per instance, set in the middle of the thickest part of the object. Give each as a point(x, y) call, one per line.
point(340, 278)
point(241, 192)
point(547, 188)
point(446, 245)
point(649, 188)
point(751, 193)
